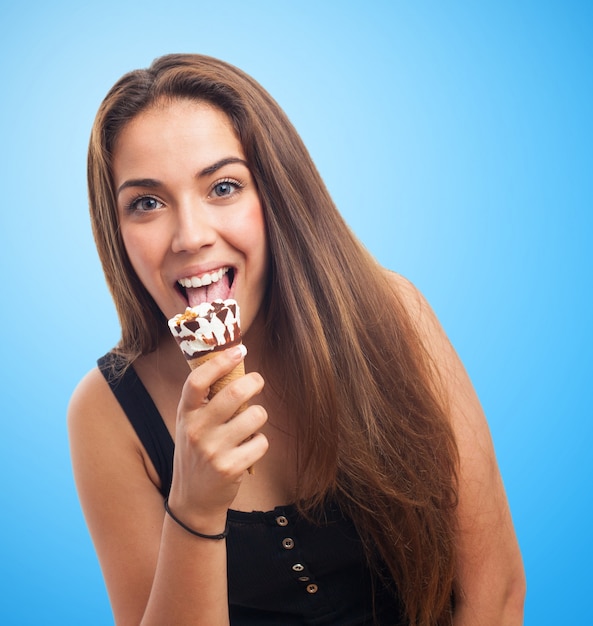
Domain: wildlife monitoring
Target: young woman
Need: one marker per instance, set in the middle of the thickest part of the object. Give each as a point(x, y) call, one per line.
point(376, 497)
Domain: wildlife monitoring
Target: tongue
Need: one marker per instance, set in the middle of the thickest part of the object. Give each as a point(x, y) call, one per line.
point(219, 290)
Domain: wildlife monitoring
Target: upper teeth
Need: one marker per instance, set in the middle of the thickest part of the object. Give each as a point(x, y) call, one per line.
point(205, 279)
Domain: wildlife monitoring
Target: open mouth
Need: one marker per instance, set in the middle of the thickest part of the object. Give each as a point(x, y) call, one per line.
point(207, 287)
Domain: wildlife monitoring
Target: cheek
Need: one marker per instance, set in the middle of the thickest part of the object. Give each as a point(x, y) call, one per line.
point(142, 251)
point(255, 229)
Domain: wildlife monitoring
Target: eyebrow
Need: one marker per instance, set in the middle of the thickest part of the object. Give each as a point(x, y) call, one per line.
point(216, 166)
point(152, 183)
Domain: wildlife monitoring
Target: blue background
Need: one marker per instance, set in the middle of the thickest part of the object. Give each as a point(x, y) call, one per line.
point(456, 139)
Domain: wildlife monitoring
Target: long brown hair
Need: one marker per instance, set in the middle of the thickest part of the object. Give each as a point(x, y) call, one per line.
point(374, 433)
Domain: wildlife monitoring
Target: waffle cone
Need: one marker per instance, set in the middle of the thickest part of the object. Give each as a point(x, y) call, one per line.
point(221, 382)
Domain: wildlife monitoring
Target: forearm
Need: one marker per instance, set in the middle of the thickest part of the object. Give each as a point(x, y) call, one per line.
point(190, 582)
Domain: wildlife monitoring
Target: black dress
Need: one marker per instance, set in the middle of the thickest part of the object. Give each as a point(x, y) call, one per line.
point(283, 569)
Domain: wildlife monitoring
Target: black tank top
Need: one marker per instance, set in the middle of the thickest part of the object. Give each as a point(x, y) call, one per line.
point(283, 569)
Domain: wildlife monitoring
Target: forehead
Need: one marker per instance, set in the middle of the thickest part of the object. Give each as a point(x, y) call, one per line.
point(173, 130)
point(167, 110)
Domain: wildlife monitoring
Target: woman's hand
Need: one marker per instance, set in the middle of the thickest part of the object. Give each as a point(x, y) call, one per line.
point(212, 448)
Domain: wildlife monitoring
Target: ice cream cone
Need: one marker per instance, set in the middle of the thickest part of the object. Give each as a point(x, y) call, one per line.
point(203, 331)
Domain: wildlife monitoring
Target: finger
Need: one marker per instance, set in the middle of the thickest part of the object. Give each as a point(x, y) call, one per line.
point(245, 455)
point(200, 380)
point(236, 395)
point(252, 450)
point(245, 425)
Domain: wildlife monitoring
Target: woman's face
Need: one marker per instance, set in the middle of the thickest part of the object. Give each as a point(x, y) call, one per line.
point(189, 211)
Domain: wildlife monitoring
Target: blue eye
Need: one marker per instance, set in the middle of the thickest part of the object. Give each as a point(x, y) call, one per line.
point(226, 188)
point(144, 204)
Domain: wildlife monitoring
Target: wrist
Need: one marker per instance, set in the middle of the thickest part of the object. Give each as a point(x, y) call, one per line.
point(195, 529)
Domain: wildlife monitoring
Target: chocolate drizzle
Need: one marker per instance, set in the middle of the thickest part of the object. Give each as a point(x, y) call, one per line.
point(207, 328)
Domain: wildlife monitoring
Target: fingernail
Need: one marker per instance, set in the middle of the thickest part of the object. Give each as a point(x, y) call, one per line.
point(242, 350)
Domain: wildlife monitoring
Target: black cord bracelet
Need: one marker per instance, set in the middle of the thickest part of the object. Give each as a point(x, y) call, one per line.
point(221, 535)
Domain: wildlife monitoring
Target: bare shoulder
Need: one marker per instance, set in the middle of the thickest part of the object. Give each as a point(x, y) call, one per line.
point(466, 411)
point(410, 296)
point(99, 431)
point(92, 395)
point(421, 315)
point(95, 416)
point(401, 283)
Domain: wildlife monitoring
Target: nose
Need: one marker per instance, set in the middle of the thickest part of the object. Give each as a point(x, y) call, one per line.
point(193, 228)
